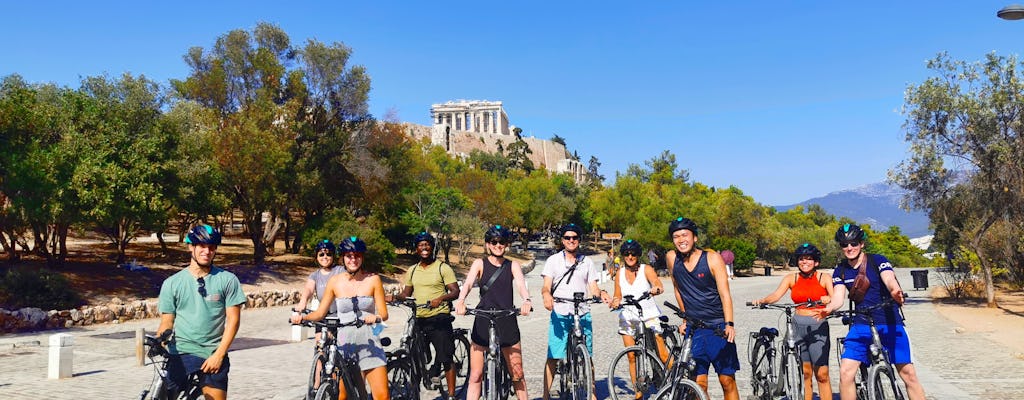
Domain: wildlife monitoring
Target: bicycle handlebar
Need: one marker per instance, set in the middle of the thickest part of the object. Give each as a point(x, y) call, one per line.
point(809, 303)
point(697, 323)
point(629, 300)
point(592, 300)
point(329, 322)
point(492, 315)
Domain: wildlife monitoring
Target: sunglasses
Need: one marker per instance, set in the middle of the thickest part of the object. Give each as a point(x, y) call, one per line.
point(324, 254)
point(496, 242)
point(850, 244)
point(202, 286)
point(630, 254)
point(573, 237)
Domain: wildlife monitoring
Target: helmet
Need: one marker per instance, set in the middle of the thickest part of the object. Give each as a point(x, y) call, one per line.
point(850, 233)
point(682, 223)
point(630, 245)
point(571, 227)
point(325, 244)
point(808, 249)
point(498, 232)
point(352, 244)
point(424, 236)
point(203, 234)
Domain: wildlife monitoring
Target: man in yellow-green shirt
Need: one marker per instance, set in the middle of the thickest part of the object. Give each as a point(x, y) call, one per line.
point(432, 282)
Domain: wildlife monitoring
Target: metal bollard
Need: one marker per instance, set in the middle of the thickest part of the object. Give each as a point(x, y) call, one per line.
point(61, 352)
point(299, 333)
point(140, 348)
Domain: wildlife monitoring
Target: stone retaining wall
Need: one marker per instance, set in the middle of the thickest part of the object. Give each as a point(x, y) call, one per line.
point(34, 319)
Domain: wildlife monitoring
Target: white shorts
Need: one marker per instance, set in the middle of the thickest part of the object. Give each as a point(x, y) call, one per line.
point(628, 322)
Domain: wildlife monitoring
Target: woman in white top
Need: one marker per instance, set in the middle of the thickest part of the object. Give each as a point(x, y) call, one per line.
point(635, 279)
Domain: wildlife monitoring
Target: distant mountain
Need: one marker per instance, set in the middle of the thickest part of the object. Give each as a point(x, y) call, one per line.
point(876, 204)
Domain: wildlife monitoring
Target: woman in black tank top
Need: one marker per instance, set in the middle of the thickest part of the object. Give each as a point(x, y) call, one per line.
point(497, 274)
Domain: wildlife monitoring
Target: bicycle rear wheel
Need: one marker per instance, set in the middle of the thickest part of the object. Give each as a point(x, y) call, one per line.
point(883, 384)
point(761, 374)
point(794, 376)
point(682, 390)
point(644, 378)
point(582, 374)
point(402, 384)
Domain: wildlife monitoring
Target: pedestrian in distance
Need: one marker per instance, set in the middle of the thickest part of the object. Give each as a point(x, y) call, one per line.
point(202, 304)
point(702, 292)
point(812, 333)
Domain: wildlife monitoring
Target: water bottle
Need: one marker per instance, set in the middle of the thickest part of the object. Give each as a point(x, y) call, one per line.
point(378, 328)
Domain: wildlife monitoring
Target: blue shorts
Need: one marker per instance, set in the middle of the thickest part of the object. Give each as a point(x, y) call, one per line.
point(894, 339)
point(179, 366)
point(710, 349)
point(559, 330)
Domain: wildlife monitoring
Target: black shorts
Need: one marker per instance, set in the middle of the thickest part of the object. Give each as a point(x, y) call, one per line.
point(508, 331)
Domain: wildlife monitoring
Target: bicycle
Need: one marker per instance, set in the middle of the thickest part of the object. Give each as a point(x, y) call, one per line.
point(340, 369)
point(576, 369)
point(680, 381)
point(645, 370)
point(411, 361)
point(158, 357)
point(497, 382)
point(788, 378)
point(876, 380)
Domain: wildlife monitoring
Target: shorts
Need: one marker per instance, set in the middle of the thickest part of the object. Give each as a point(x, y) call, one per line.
point(894, 339)
point(812, 336)
point(508, 331)
point(559, 330)
point(710, 349)
point(180, 366)
point(629, 323)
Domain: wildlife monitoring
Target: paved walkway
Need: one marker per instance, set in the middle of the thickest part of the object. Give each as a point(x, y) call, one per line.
point(266, 366)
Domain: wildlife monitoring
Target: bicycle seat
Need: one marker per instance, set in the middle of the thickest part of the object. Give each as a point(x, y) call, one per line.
point(663, 318)
point(768, 332)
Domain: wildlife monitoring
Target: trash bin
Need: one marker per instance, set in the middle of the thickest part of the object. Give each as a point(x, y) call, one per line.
point(767, 270)
point(920, 279)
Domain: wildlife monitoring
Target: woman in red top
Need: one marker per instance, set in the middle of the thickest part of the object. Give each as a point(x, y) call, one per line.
point(812, 334)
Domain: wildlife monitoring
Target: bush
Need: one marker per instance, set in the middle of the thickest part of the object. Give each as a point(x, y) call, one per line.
point(25, 287)
point(743, 251)
point(338, 225)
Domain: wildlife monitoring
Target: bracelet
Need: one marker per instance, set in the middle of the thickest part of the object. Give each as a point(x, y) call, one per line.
point(528, 299)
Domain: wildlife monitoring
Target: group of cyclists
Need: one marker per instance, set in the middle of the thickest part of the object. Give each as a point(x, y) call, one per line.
point(701, 290)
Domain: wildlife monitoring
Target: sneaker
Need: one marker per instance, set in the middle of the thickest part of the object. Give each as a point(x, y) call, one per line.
point(435, 381)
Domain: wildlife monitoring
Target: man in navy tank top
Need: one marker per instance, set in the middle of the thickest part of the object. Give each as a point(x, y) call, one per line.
point(702, 291)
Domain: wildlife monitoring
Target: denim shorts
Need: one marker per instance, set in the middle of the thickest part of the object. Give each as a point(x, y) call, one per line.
point(179, 366)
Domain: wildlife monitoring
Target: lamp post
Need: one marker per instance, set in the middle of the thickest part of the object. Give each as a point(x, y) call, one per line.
point(1011, 12)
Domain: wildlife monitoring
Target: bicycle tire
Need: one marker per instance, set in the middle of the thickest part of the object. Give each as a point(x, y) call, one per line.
point(761, 375)
point(794, 376)
point(672, 341)
point(401, 383)
point(460, 362)
point(650, 375)
point(683, 390)
point(490, 384)
point(883, 384)
point(314, 372)
point(328, 391)
point(583, 373)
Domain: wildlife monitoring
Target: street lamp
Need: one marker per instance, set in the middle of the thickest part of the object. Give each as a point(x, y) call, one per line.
point(1011, 12)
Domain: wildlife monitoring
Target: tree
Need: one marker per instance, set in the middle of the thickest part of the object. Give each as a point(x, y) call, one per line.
point(434, 210)
point(558, 139)
point(518, 155)
point(593, 172)
point(969, 115)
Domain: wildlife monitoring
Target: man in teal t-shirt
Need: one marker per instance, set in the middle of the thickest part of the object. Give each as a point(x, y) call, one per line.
point(202, 304)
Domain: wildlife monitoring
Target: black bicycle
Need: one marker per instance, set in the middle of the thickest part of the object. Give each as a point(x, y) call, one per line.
point(317, 371)
point(576, 369)
point(772, 375)
point(497, 382)
point(158, 387)
point(339, 369)
point(640, 364)
point(680, 381)
point(876, 380)
point(408, 366)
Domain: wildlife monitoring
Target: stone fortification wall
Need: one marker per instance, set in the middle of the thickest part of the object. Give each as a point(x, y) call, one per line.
point(34, 319)
point(545, 152)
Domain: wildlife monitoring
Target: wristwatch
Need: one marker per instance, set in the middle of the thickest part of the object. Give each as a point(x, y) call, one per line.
point(730, 323)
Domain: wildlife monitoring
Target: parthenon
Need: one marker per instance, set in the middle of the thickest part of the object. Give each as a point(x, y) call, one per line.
point(479, 116)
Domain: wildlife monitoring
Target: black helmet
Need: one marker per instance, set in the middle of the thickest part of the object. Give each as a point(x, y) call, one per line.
point(352, 244)
point(571, 227)
point(849, 233)
point(808, 249)
point(682, 223)
point(203, 234)
point(498, 232)
point(325, 244)
point(423, 236)
point(632, 246)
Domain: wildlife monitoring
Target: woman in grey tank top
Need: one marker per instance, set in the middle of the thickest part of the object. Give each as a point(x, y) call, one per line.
point(317, 280)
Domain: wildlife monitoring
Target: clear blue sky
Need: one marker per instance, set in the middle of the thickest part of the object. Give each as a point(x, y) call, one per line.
point(787, 100)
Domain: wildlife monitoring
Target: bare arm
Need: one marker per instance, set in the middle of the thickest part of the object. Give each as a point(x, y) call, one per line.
point(721, 275)
point(545, 293)
point(784, 286)
point(307, 292)
point(517, 278)
point(325, 303)
point(652, 278)
point(166, 322)
point(826, 282)
point(889, 279)
point(670, 260)
point(232, 317)
point(616, 294)
point(378, 298)
point(471, 277)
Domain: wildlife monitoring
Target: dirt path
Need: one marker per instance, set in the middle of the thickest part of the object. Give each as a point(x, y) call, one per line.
point(1004, 325)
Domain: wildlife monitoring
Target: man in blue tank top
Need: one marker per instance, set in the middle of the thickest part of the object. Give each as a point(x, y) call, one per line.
point(702, 291)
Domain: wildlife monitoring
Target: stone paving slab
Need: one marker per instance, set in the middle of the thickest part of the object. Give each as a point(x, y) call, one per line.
point(265, 366)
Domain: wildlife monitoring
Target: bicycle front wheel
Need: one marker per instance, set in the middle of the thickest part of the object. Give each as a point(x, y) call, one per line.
point(316, 375)
point(682, 390)
point(582, 374)
point(794, 378)
point(641, 379)
point(327, 391)
point(883, 384)
point(761, 374)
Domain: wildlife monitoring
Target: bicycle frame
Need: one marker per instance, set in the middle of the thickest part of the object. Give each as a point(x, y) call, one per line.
point(879, 357)
point(576, 338)
point(787, 378)
point(157, 389)
point(497, 378)
point(683, 371)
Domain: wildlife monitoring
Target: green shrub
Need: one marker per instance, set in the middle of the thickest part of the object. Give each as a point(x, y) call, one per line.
point(24, 287)
point(338, 225)
point(743, 250)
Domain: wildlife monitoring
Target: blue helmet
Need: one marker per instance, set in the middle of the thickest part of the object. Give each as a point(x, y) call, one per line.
point(498, 232)
point(682, 223)
point(325, 244)
point(352, 244)
point(424, 236)
point(203, 234)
